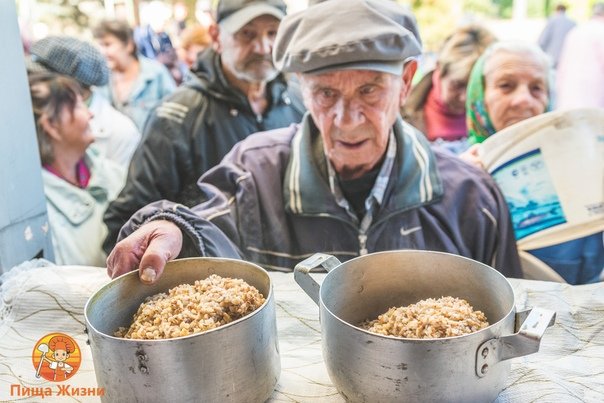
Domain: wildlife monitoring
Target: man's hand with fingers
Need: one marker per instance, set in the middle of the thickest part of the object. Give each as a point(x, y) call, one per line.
point(147, 249)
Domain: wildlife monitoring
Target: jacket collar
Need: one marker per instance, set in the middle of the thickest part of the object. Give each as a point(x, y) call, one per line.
point(414, 182)
point(75, 203)
point(148, 73)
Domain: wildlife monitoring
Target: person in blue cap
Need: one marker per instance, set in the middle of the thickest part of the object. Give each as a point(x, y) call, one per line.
point(352, 178)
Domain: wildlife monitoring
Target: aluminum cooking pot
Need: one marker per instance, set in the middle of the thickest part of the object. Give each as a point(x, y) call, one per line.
point(367, 367)
point(238, 362)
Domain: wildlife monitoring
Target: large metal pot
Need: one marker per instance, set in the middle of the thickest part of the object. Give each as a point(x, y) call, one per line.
point(238, 362)
point(367, 367)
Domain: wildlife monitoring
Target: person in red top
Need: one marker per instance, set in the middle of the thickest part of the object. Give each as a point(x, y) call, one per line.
point(436, 105)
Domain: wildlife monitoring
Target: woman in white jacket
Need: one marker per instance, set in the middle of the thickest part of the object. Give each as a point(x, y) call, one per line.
point(78, 183)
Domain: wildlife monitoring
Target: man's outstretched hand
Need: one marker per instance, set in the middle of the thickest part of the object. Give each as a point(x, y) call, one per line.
point(147, 249)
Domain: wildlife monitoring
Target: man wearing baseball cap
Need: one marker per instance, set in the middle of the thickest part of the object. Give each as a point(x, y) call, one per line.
point(116, 136)
point(235, 90)
point(351, 179)
point(232, 15)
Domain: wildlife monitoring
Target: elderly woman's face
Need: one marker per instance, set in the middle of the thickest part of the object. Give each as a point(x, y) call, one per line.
point(355, 110)
point(515, 88)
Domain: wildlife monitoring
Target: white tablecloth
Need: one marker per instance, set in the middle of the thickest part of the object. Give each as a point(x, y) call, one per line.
point(35, 301)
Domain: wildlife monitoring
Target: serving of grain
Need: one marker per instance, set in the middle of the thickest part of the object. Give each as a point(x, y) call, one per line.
point(193, 308)
point(429, 319)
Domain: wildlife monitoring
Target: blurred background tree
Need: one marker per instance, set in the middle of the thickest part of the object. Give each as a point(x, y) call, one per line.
point(436, 18)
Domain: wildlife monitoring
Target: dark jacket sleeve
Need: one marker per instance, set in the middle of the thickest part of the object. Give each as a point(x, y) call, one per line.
point(505, 252)
point(156, 172)
point(210, 228)
point(201, 237)
point(474, 216)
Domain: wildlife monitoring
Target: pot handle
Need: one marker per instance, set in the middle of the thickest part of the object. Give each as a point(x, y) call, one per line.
point(524, 342)
point(302, 273)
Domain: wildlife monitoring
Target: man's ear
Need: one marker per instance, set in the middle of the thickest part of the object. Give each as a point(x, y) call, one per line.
point(214, 32)
point(407, 78)
point(50, 128)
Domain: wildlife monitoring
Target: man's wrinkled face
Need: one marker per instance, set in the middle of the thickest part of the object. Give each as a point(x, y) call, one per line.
point(247, 54)
point(354, 110)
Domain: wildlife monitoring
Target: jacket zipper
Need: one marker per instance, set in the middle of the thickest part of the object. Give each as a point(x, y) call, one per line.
point(362, 243)
point(362, 235)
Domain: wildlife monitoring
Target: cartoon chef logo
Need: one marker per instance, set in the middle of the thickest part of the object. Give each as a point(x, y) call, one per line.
point(56, 357)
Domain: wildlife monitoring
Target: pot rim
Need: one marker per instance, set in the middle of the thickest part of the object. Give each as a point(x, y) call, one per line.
point(115, 281)
point(511, 311)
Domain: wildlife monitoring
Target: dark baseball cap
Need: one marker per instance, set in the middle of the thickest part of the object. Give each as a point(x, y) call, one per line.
point(232, 15)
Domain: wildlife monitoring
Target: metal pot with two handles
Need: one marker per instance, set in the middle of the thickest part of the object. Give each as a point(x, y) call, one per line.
point(238, 362)
point(367, 367)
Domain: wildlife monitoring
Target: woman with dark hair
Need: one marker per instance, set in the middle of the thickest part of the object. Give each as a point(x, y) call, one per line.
point(78, 183)
point(136, 84)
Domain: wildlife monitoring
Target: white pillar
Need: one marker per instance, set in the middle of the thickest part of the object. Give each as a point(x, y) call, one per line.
point(519, 10)
point(24, 231)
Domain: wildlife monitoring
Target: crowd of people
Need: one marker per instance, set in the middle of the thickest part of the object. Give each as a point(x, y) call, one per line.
point(285, 135)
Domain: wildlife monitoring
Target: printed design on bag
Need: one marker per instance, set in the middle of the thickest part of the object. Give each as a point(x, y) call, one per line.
point(529, 191)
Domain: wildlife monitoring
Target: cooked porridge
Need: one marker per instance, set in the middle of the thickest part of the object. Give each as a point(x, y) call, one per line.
point(429, 319)
point(193, 308)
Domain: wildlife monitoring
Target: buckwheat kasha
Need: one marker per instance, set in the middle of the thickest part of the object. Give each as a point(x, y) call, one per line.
point(429, 319)
point(193, 308)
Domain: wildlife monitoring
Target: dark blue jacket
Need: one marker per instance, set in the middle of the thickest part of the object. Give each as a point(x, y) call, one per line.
point(269, 202)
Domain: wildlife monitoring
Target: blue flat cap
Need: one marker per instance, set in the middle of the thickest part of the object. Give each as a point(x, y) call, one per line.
point(332, 35)
point(71, 57)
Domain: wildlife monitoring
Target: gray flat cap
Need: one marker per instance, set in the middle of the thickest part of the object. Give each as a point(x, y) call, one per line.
point(347, 34)
point(232, 15)
point(71, 57)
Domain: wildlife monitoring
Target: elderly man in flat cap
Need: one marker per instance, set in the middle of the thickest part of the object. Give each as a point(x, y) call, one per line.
point(116, 136)
point(351, 179)
point(234, 91)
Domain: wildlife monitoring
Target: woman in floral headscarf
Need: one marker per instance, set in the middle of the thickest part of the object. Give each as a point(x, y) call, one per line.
point(437, 103)
point(509, 83)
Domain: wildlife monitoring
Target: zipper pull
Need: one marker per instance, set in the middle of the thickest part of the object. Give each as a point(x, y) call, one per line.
point(362, 244)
